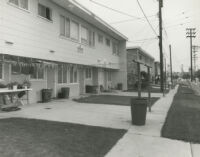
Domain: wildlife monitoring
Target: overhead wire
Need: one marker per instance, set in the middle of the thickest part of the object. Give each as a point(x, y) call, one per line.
point(115, 10)
point(147, 19)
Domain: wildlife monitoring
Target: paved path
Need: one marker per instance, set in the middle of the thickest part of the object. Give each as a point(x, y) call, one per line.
point(137, 142)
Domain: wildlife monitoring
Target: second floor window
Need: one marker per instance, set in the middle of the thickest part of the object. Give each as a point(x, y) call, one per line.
point(64, 26)
point(100, 38)
point(69, 28)
point(44, 12)
point(108, 42)
point(20, 3)
point(91, 38)
point(115, 48)
point(74, 33)
point(84, 35)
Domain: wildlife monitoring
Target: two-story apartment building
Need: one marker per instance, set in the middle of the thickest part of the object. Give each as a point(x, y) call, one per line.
point(137, 54)
point(59, 43)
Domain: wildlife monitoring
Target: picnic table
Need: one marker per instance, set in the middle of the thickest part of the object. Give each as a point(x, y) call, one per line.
point(10, 94)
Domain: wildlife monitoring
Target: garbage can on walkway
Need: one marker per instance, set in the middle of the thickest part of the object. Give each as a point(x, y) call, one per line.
point(138, 111)
point(119, 86)
point(65, 92)
point(46, 95)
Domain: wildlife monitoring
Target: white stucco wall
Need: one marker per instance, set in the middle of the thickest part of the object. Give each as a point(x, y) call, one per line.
point(34, 36)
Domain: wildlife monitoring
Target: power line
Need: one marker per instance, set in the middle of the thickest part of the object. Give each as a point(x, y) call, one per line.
point(115, 10)
point(147, 18)
point(180, 24)
point(130, 20)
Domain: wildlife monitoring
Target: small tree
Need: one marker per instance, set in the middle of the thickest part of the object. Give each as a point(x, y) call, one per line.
point(186, 76)
point(197, 74)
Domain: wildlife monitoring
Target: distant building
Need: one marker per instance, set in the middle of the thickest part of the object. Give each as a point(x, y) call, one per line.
point(139, 55)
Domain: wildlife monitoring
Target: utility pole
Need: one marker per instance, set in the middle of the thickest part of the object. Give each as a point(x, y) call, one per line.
point(191, 34)
point(160, 46)
point(170, 51)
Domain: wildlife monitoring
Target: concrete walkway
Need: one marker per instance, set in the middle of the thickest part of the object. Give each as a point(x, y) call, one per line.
point(142, 141)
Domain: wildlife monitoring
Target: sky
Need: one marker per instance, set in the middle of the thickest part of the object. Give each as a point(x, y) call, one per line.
point(177, 16)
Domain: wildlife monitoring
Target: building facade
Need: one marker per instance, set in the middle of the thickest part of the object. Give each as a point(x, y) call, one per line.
point(137, 54)
point(55, 44)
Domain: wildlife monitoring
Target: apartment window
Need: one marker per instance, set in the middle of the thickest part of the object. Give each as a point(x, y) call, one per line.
point(74, 33)
point(16, 69)
point(64, 26)
point(73, 75)
point(100, 38)
point(109, 76)
point(108, 42)
point(1, 71)
point(84, 35)
point(44, 11)
point(88, 73)
point(115, 48)
point(38, 73)
point(62, 74)
point(67, 27)
point(20, 3)
point(92, 38)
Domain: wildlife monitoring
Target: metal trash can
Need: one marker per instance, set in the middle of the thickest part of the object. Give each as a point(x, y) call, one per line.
point(46, 95)
point(138, 111)
point(119, 86)
point(65, 92)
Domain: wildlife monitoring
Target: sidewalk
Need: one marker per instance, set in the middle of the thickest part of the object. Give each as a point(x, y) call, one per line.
point(145, 141)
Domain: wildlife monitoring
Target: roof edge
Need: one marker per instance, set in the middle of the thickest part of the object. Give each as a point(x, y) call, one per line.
point(142, 50)
point(74, 2)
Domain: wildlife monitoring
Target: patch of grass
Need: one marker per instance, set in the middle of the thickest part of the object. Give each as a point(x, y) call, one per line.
point(183, 119)
point(153, 90)
point(110, 99)
point(39, 138)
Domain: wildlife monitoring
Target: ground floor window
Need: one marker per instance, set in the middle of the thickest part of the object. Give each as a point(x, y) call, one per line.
point(109, 76)
point(73, 75)
point(62, 74)
point(1, 71)
point(88, 73)
point(37, 73)
point(16, 69)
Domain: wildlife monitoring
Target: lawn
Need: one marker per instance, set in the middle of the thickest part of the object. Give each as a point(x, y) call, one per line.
point(153, 90)
point(39, 138)
point(110, 99)
point(183, 119)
